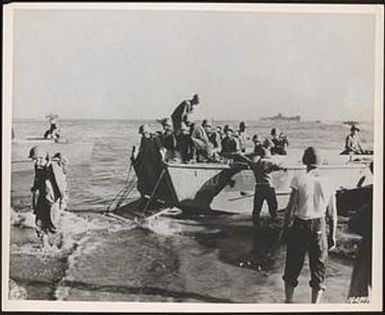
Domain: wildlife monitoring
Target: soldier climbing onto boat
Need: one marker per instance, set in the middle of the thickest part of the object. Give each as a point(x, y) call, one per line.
point(201, 146)
point(183, 112)
point(262, 167)
point(312, 203)
point(49, 194)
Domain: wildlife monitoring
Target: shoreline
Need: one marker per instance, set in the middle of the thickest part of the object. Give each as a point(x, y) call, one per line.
point(57, 275)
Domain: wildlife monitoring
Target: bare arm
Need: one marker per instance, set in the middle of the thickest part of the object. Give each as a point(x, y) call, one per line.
point(291, 206)
point(276, 167)
point(349, 144)
point(360, 147)
point(332, 221)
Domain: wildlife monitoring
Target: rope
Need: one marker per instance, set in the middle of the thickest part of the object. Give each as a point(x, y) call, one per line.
point(124, 192)
point(153, 191)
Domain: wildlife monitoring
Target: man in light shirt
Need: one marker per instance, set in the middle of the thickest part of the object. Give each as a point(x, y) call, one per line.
point(352, 142)
point(312, 201)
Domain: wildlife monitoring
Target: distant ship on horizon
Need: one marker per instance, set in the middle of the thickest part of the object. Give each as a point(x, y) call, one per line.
point(350, 122)
point(280, 117)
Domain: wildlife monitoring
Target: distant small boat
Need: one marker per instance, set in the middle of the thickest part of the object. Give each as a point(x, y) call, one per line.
point(280, 117)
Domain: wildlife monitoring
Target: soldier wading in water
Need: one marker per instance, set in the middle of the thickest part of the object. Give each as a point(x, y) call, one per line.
point(49, 195)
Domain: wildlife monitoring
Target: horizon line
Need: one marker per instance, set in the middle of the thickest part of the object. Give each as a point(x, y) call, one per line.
point(220, 119)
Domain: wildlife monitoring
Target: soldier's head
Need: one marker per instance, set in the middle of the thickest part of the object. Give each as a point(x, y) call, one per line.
point(207, 126)
point(242, 126)
point(354, 129)
point(257, 140)
point(274, 132)
point(38, 155)
point(167, 125)
point(195, 99)
point(312, 157)
point(229, 132)
point(144, 130)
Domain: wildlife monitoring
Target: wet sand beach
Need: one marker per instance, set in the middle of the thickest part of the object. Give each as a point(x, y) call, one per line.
point(172, 260)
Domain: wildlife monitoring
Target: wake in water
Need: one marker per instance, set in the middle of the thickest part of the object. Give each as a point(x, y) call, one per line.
point(48, 256)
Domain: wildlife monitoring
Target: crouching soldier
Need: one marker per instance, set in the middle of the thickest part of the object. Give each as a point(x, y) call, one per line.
point(49, 194)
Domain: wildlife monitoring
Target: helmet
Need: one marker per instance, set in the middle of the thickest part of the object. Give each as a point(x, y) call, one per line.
point(166, 122)
point(143, 129)
point(37, 152)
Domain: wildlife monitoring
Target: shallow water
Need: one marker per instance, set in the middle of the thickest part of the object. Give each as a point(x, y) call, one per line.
point(174, 258)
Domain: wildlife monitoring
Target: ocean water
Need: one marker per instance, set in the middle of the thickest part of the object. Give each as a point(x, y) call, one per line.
point(173, 258)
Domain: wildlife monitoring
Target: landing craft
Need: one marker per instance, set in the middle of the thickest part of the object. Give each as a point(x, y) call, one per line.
point(224, 188)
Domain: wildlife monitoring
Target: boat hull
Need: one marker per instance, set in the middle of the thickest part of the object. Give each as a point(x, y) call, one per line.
point(230, 187)
point(232, 191)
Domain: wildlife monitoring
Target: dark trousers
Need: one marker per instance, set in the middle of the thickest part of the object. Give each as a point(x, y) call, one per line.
point(362, 271)
point(264, 192)
point(307, 236)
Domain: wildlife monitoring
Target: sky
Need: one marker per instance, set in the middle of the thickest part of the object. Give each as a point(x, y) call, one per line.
point(119, 64)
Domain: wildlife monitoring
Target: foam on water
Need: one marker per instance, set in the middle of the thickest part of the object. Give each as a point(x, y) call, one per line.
point(171, 258)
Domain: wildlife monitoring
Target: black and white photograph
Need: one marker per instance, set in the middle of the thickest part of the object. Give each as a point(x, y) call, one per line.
point(189, 157)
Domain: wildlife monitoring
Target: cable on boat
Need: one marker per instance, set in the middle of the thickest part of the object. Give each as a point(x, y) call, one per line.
point(124, 193)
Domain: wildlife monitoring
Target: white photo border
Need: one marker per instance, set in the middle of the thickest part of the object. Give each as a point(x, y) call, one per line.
point(71, 306)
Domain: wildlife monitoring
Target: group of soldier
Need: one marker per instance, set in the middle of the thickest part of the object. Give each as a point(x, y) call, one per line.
point(184, 140)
